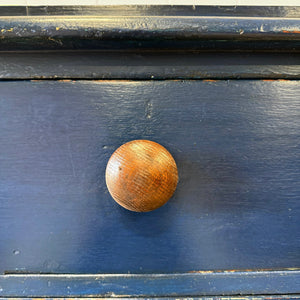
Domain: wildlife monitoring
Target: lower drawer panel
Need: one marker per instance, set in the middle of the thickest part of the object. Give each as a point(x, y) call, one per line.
point(236, 144)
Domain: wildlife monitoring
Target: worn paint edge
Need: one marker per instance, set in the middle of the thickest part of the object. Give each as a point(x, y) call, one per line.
point(119, 32)
point(200, 283)
point(256, 297)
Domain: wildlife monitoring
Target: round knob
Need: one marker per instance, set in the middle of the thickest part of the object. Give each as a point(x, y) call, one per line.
point(141, 175)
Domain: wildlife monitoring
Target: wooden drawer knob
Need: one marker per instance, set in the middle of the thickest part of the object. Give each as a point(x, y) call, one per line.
point(141, 175)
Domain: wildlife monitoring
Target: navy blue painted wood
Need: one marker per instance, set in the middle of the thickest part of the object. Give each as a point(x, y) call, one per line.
point(233, 297)
point(151, 285)
point(153, 10)
point(141, 65)
point(120, 31)
point(236, 144)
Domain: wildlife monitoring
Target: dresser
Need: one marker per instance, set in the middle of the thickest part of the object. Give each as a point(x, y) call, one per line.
point(216, 86)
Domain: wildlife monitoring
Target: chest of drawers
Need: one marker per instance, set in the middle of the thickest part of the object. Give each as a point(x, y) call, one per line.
point(218, 89)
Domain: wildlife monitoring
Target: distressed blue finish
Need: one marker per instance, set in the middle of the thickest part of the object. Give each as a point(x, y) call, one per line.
point(236, 144)
point(140, 27)
point(151, 285)
point(255, 297)
point(141, 65)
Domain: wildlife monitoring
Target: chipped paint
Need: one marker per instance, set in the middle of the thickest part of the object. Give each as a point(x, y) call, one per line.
point(134, 27)
point(291, 31)
point(243, 270)
point(261, 29)
point(130, 297)
point(285, 80)
point(202, 272)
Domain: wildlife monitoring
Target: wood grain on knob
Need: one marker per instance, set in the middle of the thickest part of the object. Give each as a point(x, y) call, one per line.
point(141, 175)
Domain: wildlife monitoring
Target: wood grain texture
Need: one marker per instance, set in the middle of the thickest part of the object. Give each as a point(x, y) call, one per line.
point(141, 175)
point(236, 146)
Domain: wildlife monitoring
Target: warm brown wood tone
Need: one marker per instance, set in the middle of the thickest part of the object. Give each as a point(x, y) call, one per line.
point(141, 175)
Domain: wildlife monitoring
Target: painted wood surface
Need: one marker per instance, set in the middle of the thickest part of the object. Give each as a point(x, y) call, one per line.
point(268, 297)
point(150, 65)
point(236, 145)
point(152, 285)
point(148, 27)
point(152, 10)
point(148, 2)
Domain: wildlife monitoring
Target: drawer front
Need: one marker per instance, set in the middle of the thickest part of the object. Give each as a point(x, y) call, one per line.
point(236, 145)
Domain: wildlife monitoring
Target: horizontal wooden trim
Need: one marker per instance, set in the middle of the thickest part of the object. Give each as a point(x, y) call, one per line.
point(148, 27)
point(151, 285)
point(153, 10)
point(143, 65)
point(256, 297)
point(167, 31)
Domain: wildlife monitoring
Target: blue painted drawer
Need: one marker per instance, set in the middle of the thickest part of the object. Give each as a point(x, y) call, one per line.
point(199, 81)
point(236, 144)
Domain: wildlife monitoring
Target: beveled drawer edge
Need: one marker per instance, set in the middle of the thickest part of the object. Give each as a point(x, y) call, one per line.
point(193, 284)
